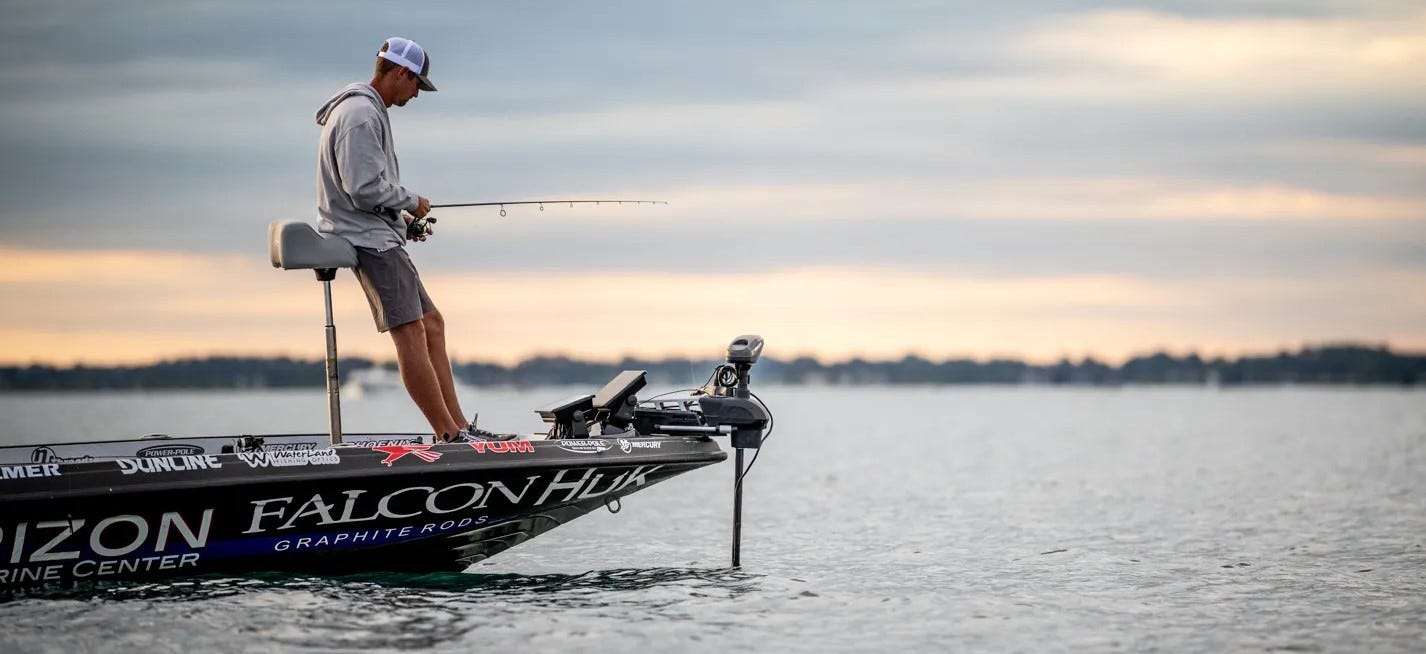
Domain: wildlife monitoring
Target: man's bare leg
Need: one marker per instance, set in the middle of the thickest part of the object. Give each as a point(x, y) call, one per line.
point(420, 377)
point(436, 347)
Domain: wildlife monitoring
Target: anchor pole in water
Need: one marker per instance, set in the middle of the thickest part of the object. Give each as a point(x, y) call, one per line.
point(738, 508)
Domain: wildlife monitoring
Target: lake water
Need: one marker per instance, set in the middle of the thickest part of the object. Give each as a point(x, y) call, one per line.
point(921, 519)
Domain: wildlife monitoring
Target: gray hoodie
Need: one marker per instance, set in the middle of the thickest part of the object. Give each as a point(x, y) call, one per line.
point(359, 192)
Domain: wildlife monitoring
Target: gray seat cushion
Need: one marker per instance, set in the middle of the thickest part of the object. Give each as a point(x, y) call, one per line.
point(295, 245)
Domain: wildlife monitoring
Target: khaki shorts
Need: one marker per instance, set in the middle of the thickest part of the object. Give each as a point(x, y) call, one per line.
point(392, 286)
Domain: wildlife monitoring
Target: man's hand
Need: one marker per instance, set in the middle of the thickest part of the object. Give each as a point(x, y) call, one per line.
point(417, 229)
point(423, 207)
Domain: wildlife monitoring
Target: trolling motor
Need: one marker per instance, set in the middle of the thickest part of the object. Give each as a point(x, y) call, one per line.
point(729, 402)
point(725, 406)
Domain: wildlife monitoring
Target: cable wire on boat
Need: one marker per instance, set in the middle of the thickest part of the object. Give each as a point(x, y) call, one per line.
point(681, 390)
point(771, 422)
point(687, 390)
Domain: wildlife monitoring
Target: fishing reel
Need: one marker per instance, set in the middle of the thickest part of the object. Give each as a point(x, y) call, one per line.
point(420, 228)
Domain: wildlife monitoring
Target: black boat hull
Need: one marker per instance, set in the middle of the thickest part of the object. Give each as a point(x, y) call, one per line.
point(395, 507)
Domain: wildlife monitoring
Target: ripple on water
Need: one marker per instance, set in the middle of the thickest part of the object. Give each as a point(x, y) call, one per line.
point(1016, 519)
point(370, 611)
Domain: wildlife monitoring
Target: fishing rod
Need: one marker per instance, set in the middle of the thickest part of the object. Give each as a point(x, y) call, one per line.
point(542, 203)
point(421, 227)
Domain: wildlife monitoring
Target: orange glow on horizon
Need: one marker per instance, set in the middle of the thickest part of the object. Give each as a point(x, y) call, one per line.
point(131, 307)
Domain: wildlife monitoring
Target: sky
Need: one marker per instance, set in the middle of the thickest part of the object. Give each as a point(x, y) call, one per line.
point(849, 179)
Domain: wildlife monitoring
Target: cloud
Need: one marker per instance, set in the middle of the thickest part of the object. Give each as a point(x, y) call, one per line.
point(958, 149)
point(1092, 199)
point(1076, 199)
point(1070, 227)
point(1249, 54)
point(1345, 152)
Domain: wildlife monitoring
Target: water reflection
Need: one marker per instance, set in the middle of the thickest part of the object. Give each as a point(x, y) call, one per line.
point(387, 610)
point(369, 586)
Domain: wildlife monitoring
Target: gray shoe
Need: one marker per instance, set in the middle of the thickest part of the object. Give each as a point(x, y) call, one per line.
point(468, 436)
point(477, 434)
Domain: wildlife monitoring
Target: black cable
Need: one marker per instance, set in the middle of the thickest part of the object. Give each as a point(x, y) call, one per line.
point(681, 390)
point(771, 422)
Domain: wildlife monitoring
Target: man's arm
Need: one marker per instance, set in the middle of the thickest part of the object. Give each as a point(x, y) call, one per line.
point(362, 167)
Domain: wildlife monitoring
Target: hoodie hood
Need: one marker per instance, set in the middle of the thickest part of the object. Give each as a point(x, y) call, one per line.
point(356, 88)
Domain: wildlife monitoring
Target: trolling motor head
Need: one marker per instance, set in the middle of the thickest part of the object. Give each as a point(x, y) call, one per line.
point(732, 380)
point(729, 402)
point(743, 352)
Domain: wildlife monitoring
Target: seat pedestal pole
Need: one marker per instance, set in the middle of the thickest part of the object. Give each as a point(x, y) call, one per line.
point(334, 396)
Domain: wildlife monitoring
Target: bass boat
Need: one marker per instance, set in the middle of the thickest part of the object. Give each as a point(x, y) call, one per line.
point(343, 503)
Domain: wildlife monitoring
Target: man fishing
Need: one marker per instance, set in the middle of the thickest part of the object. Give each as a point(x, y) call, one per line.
point(360, 198)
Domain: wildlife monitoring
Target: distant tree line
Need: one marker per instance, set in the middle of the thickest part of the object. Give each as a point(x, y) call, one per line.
point(1346, 364)
point(1341, 364)
point(217, 372)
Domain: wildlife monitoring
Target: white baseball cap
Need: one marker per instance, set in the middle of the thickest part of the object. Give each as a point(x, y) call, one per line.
point(408, 53)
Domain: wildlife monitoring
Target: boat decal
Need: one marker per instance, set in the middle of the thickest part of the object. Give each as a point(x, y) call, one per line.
point(583, 445)
point(288, 447)
point(288, 458)
point(47, 550)
point(395, 452)
point(348, 539)
point(29, 471)
point(624, 446)
point(646, 445)
point(169, 450)
point(59, 547)
point(361, 505)
point(345, 539)
point(587, 486)
point(381, 442)
point(503, 447)
point(154, 464)
point(47, 455)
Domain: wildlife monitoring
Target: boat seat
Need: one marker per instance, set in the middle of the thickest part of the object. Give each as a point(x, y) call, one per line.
point(294, 245)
